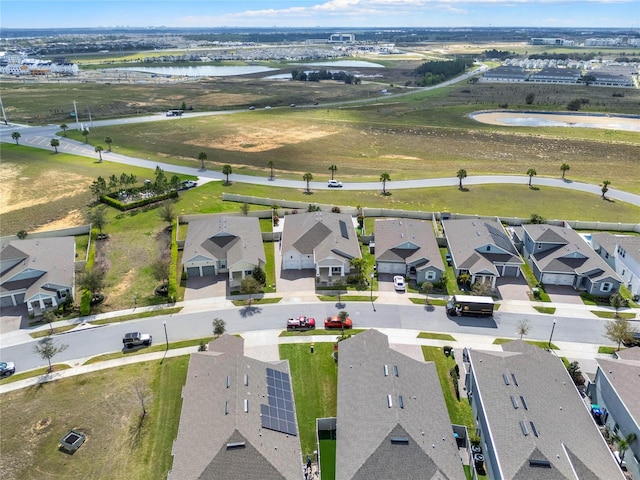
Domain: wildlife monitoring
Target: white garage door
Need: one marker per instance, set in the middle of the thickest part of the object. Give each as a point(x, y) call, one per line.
point(557, 279)
point(388, 267)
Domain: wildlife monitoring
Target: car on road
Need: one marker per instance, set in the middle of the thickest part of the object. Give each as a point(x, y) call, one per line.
point(334, 184)
point(398, 283)
point(7, 368)
point(334, 322)
point(252, 107)
point(293, 105)
point(136, 339)
point(301, 323)
point(315, 103)
point(268, 107)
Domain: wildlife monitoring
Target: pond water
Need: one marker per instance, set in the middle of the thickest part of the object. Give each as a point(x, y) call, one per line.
point(560, 119)
point(203, 70)
point(346, 63)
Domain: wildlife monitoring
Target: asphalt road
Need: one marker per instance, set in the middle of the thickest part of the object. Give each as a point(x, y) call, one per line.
point(107, 338)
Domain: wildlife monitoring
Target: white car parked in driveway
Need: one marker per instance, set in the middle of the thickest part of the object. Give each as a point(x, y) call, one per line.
point(398, 283)
point(334, 183)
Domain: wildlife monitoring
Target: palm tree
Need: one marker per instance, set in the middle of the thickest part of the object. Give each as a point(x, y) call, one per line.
point(16, 136)
point(55, 143)
point(85, 133)
point(307, 177)
point(99, 150)
point(384, 178)
point(531, 172)
point(270, 164)
point(462, 173)
point(564, 167)
point(64, 127)
point(202, 157)
point(108, 141)
point(624, 443)
point(343, 315)
point(226, 170)
point(605, 187)
point(333, 169)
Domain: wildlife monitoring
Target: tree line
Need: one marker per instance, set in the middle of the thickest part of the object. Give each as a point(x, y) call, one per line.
point(441, 70)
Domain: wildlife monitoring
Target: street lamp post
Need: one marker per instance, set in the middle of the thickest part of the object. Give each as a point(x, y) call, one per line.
point(166, 337)
point(551, 336)
point(371, 295)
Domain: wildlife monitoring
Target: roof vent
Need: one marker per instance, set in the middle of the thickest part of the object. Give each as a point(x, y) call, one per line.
point(505, 377)
point(523, 426)
point(246, 380)
point(246, 405)
point(534, 429)
point(389, 401)
point(524, 404)
point(539, 463)
point(400, 401)
point(226, 407)
point(399, 440)
point(514, 402)
point(395, 370)
point(233, 445)
point(386, 370)
point(515, 380)
point(228, 381)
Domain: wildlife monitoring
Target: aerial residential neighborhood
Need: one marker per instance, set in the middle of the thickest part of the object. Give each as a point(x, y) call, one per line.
point(429, 268)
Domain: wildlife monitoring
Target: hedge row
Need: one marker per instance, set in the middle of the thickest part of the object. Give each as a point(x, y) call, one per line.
point(173, 269)
point(115, 203)
point(85, 296)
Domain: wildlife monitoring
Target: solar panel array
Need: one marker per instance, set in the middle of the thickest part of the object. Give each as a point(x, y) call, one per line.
point(279, 415)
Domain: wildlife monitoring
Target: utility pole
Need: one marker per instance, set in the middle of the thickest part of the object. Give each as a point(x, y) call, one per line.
point(4, 116)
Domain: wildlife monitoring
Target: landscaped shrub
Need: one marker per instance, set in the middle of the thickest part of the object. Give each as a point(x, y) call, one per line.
point(115, 203)
point(172, 288)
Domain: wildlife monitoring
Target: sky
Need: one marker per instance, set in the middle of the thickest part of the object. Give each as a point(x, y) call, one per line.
point(320, 13)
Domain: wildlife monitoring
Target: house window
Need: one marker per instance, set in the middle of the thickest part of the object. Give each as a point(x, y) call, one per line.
point(336, 270)
point(623, 271)
point(431, 275)
point(488, 248)
point(248, 272)
point(606, 287)
point(606, 255)
point(222, 264)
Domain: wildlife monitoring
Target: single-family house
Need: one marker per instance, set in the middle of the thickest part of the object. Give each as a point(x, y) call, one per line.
point(614, 394)
point(408, 247)
point(622, 253)
point(482, 249)
point(559, 256)
point(221, 244)
point(37, 272)
point(531, 419)
point(238, 419)
point(323, 241)
point(392, 421)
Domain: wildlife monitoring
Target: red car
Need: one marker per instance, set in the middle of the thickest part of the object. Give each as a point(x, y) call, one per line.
point(334, 322)
point(301, 323)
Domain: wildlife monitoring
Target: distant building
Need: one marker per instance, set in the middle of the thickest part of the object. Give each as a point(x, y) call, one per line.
point(550, 41)
point(556, 75)
point(506, 74)
point(342, 38)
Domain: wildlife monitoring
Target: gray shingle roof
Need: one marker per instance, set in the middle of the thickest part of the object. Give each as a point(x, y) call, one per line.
point(567, 435)
point(571, 255)
point(631, 244)
point(468, 240)
point(321, 233)
point(229, 238)
point(215, 384)
point(407, 241)
point(51, 262)
point(366, 423)
point(624, 375)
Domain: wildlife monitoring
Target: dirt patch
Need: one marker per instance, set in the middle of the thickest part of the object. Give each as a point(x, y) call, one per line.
point(400, 157)
point(73, 219)
point(261, 139)
point(124, 284)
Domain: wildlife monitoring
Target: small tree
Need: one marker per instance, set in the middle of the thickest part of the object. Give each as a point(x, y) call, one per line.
point(99, 149)
point(47, 349)
point(624, 443)
point(574, 105)
point(617, 302)
point(219, 326)
point(142, 392)
point(339, 285)
point(271, 164)
point(532, 173)
point(619, 331)
point(64, 127)
point(537, 219)
point(530, 98)
point(461, 174)
point(97, 217)
point(161, 269)
point(333, 169)
point(244, 208)
point(565, 168)
point(523, 327)
point(93, 280)
point(48, 317)
point(427, 288)
point(85, 134)
point(226, 170)
point(22, 234)
point(384, 178)
point(576, 375)
point(307, 177)
point(359, 266)
point(98, 187)
point(250, 286)
point(55, 143)
point(16, 136)
point(167, 213)
point(259, 274)
point(343, 315)
point(108, 141)
point(202, 157)
point(605, 188)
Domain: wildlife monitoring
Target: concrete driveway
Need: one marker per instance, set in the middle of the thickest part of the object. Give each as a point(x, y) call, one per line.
point(563, 294)
point(292, 280)
point(385, 283)
point(512, 288)
point(209, 286)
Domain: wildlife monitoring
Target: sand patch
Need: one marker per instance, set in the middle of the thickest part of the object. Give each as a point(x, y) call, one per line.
point(73, 219)
point(400, 157)
point(261, 139)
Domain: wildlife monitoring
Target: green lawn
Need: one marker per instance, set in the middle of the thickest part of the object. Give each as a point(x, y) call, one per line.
point(547, 310)
point(105, 406)
point(436, 336)
point(459, 410)
point(154, 348)
point(315, 387)
point(613, 315)
point(543, 345)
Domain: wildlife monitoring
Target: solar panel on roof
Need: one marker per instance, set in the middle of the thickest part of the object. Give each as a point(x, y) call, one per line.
point(343, 229)
point(278, 414)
